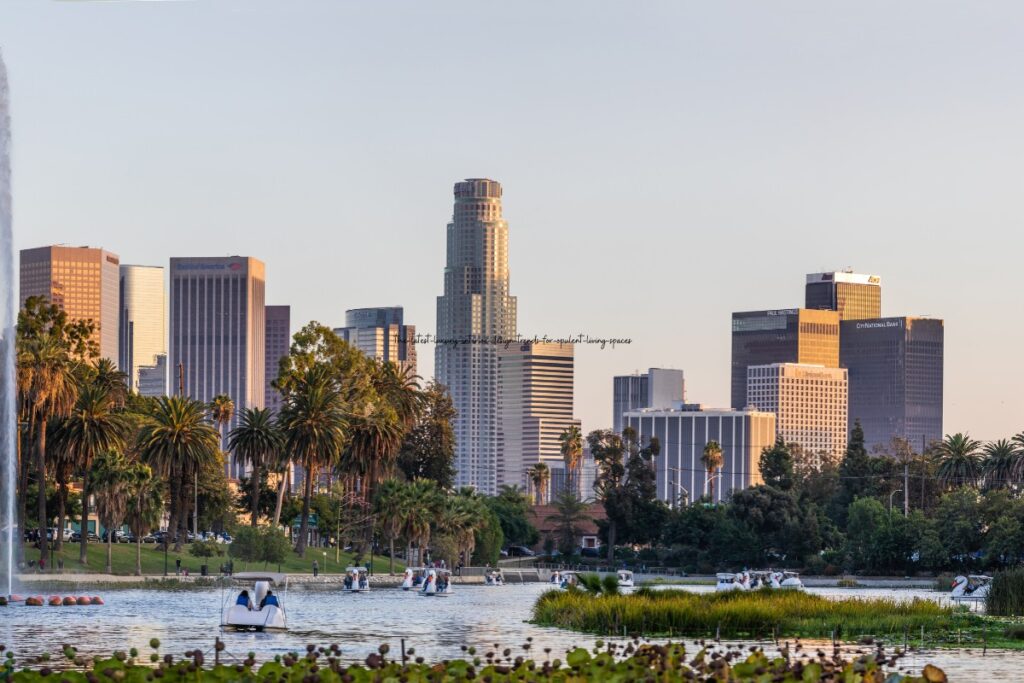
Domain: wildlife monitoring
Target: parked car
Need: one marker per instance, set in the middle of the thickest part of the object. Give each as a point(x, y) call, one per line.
point(520, 551)
point(149, 538)
point(592, 552)
point(77, 537)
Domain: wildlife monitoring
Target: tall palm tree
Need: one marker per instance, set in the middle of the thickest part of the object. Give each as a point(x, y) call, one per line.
point(106, 375)
point(1001, 465)
point(46, 381)
point(143, 508)
point(176, 442)
point(93, 427)
point(711, 458)
point(399, 387)
point(572, 454)
point(540, 476)
point(422, 503)
point(959, 460)
point(372, 450)
point(389, 508)
point(256, 442)
point(314, 429)
point(112, 478)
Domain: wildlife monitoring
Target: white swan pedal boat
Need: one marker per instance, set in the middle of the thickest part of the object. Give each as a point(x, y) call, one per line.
point(437, 584)
point(972, 588)
point(252, 603)
point(357, 580)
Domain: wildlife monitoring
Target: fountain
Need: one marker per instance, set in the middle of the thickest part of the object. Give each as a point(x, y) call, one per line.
point(8, 313)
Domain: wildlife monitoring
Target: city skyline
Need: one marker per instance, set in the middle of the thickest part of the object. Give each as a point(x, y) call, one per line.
point(856, 179)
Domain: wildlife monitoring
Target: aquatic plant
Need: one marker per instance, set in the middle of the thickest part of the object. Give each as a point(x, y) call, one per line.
point(741, 613)
point(1006, 596)
point(633, 661)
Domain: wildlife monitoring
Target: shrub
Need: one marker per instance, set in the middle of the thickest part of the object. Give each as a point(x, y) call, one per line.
point(1006, 597)
point(205, 549)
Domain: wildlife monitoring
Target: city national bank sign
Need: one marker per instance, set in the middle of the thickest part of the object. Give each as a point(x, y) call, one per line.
point(880, 324)
point(208, 266)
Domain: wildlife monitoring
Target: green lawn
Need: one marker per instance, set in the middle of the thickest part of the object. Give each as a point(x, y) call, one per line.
point(153, 560)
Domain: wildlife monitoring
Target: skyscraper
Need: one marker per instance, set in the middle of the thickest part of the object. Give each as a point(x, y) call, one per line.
point(896, 373)
point(83, 282)
point(217, 330)
point(278, 337)
point(381, 333)
point(143, 326)
point(809, 403)
point(475, 310)
point(657, 388)
point(536, 407)
point(794, 335)
point(854, 296)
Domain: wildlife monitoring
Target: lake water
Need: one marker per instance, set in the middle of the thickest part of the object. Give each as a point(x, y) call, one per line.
point(436, 628)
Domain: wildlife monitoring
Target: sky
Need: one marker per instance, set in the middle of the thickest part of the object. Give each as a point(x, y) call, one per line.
point(663, 163)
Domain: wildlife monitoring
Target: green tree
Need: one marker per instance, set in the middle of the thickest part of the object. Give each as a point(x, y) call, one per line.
point(539, 476)
point(428, 449)
point(777, 466)
point(247, 545)
point(423, 502)
point(273, 546)
point(1001, 465)
point(711, 458)
point(389, 509)
point(855, 473)
point(114, 477)
point(256, 442)
point(512, 509)
point(488, 539)
point(571, 441)
point(959, 460)
point(143, 508)
point(571, 514)
point(177, 441)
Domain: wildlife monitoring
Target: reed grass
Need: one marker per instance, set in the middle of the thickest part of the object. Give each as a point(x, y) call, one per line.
point(1006, 596)
point(744, 614)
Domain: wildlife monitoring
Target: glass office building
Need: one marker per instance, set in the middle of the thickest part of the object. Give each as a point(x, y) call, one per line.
point(895, 368)
point(794, 335)
point(657, 388)
point(855, 296)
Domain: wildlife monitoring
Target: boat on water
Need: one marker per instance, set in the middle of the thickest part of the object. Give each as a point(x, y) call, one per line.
point(567, 580)
point(727, 581)
point(972, 588)
point(494, 578)
point(357, 580)
point(437, 584)
point(257, 606)
point(413, 578)
point(789, 579)
point(625, 578)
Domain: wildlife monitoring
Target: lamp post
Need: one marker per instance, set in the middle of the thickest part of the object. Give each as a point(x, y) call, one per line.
point(890, 499)
point(680, 491)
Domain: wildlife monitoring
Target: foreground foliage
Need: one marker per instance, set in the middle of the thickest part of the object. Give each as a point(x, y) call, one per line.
point(740, 613)
point(635, 661)
point(1006, 597)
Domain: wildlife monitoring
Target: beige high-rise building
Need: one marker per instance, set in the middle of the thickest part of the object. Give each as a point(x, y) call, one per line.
point(82, 281)
point(809, 403)
point(474, 314)
point(143, 328)
point(536, 381)
point(217, 330)
point(381, 333)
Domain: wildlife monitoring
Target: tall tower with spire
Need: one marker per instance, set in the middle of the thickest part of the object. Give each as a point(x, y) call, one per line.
point(474, 312)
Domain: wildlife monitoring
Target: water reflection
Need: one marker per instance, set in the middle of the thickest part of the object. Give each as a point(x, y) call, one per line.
point(436, 628)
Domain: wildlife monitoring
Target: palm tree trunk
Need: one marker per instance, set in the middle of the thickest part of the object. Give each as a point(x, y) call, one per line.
point(138, 555)
point(280, 498)
point(83, 558)
point(255, 494)
point(110, 551)
point(41, 482)
point(172, 503)
point(62, 502)
point(300, 545)
point(25, 465)
point(611, 541)
point(182, 530)
point(391, 555)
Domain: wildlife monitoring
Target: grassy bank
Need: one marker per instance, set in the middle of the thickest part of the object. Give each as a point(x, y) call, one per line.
point(755, 614)
point(667, 663)
point(153, 561)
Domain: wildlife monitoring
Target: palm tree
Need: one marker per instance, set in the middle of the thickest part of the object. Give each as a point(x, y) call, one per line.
point(143, 508)
point(389, 508)
point(959, 460)
point(422, 502)
point(540, 476)
point(93, 427)
point(399, 387)
point(373, 443)
point(46, 381)
point(570, 514)
point(113, 475)
point(106, 375)
point(176, 442)
point(1002, 464)
point(256, 442)
point(572, 454)
point(711, 458)
point(314, 429)
point(459, 517)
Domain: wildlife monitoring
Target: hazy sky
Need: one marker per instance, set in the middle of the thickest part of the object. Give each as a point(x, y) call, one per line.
point(664, 163)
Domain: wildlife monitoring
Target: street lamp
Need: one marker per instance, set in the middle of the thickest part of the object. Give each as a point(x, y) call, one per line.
point(680, 491)
point(890, 499)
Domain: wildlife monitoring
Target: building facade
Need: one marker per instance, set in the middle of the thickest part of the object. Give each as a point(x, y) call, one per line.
point(742, 435)
point(154, 380)
point(474, 315)
point(657, 388)
point(277, 343)
point(794, 335)
point(809, 404)
point(895, 368)
point(381, 333)
point(855, 296)
point(536, 407)
point(143, 327)
point(83, 282)
point(217, 330)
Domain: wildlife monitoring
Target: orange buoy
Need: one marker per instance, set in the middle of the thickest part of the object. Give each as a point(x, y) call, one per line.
point(17, 598)
point(83, 600)
point(70, 601)
point(97, 600)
